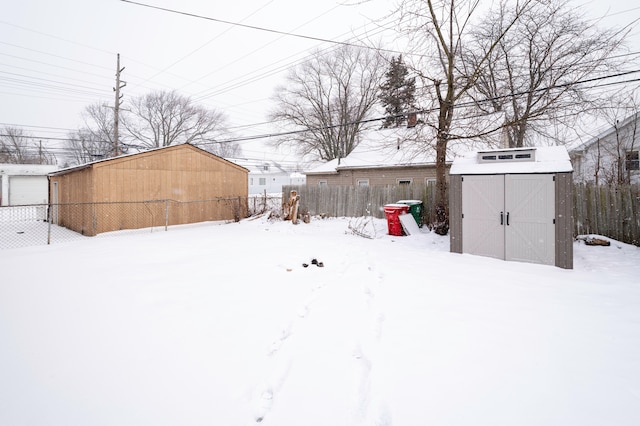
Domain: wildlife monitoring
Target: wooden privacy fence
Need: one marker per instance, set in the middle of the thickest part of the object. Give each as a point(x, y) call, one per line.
point(609, 211)
point(603, 210)
point(356, 201)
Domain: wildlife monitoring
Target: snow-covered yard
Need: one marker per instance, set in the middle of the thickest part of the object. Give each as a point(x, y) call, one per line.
point(220, 324)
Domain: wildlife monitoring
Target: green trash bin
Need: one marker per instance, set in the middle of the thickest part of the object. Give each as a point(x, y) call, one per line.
point(415, 209)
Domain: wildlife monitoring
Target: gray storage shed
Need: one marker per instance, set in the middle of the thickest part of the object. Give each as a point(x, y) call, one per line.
point(513, 204)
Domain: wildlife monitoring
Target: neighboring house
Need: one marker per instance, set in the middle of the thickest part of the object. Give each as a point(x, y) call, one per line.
point(610, 158)
point(387, 157)
point(109, 189)
point(270, 176)
point(24, 184)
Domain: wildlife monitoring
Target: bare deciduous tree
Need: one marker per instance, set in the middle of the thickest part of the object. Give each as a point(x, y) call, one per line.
point(531, 75)
point(441, 34)
point(161, 119)
point(95, 140)
point(223, 148)
point(17, 147)
point(328, 97)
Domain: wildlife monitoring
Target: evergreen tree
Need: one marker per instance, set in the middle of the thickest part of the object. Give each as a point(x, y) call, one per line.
point(397, 93)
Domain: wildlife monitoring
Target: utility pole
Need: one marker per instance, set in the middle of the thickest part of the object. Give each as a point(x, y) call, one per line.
point(116, 110)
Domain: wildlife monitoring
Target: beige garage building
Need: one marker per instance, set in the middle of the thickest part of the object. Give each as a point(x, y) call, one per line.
point(166, 186)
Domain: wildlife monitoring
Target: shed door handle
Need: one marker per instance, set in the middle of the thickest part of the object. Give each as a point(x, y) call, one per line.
point(501, 218)
point(507, 218)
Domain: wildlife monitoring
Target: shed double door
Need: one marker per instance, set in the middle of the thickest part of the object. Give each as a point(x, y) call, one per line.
point(509, 217)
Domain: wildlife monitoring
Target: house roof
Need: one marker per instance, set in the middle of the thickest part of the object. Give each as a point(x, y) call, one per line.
point(390, 148)
point(548, 159)
point(258, 167)
point(606, 133)
point(142, 153)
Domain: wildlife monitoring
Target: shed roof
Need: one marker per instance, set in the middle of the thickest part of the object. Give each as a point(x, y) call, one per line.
point(550, 159)
point(150, 151)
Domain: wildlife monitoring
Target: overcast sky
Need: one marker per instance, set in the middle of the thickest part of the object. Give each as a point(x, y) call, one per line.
point(58, 57)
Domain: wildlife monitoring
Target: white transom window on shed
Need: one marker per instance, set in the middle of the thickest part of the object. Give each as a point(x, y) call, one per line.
point(518, 154)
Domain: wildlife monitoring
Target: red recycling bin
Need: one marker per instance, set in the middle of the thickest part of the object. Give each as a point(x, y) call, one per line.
point(393, 212)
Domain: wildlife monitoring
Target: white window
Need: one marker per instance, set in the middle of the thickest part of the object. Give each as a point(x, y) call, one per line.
point(322, 183)
point(431, 181)
point(362, 182)
point(251, 181)
point(263, 181)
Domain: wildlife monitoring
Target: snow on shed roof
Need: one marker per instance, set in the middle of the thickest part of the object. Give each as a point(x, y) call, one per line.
point(550, 159)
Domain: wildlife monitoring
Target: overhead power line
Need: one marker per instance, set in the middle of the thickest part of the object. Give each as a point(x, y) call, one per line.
point(371, 120)
point(254, 27)
point(459, 105)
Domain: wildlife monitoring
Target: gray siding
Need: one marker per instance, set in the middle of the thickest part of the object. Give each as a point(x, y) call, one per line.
point(564, 220)
point(455, 213)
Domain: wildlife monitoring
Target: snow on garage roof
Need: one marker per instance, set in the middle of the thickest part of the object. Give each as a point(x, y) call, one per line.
point(550, 159)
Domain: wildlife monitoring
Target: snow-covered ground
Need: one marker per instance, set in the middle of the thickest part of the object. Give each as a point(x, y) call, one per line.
point(220, 324)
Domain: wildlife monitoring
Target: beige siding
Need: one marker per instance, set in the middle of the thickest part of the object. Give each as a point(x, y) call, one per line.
point(181, 173)
point(75, 193)
point(376, 176)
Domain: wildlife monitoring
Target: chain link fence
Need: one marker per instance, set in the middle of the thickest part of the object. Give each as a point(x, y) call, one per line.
point(42, 224)
point(261, 203)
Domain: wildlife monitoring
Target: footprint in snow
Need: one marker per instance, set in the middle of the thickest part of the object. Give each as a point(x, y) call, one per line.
point(264, 405)
point(284, 335)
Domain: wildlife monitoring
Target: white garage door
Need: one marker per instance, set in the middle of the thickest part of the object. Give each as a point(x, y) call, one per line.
point(28, 190)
